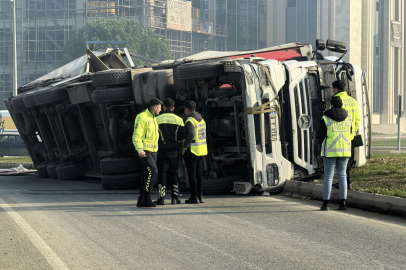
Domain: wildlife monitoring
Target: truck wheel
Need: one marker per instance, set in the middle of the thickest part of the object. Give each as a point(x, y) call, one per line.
point(218, 186)
point(28, 123)
point(119, 165)
point(123, 181)
point(18, 103)
point(200, 70)
point(42, 170)
point(29, 99)
point(110, 95)
point(51, 95)
point(52, 169)
point(111, 77)
point(68, 171)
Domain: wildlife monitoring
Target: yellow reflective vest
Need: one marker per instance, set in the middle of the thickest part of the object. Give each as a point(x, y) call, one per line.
point(199, 144)
point(351, 107)
point(145, 136)
point(338, 140)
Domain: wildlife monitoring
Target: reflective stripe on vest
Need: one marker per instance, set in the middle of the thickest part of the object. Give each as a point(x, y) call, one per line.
point(199, 144)
point(338, 140)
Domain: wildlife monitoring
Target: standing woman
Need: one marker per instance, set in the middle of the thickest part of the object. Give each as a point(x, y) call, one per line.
point(335, 131)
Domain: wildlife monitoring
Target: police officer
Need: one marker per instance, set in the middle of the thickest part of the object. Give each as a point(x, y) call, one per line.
point(169, 151)
point(335, 131)
point(195, 148)
point(351, 106)
point(145, 140)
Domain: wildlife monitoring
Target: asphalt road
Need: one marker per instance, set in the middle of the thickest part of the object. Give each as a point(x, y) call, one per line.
point(52, 224)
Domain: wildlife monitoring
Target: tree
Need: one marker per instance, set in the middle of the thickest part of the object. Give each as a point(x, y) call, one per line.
point(140, 40)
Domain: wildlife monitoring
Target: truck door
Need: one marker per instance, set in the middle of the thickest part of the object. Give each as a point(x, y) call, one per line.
point(4, 145)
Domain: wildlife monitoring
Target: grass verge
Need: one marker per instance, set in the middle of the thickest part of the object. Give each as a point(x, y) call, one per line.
point(26, 159)
point(389, 143)
point(383, 174)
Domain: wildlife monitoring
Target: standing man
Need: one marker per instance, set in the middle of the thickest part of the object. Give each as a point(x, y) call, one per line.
point(195, 147)
point(169, 151)
point(351, 106)
point(145, 140)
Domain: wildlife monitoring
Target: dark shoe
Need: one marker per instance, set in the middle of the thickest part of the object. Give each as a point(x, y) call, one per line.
point(192, 201)
point(342, 205)
point(325, 206)
point(176, 201)
point(140, 197)
point(336, 185)
point(160, 201)
point(349, 186)
point(200, 198)
point(146, 201)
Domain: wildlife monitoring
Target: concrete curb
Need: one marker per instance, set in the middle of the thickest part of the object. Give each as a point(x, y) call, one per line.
point(368, 201)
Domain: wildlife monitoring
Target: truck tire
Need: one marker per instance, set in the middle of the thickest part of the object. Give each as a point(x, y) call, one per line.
point(42, 170)
point(111, 77)
point(18, 103)
point(110, 95)
point(29, 100)
point(218, 186)
point(27, 122)
point(51, 95)
point(52, 169)
point(68, 171)
point(119, 165)
point(200, 70)
point(122, 181)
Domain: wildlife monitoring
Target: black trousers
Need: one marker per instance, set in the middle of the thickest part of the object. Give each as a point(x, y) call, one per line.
point(149, 171)
point(194, 166)
point(168, 165)
point(350, 164)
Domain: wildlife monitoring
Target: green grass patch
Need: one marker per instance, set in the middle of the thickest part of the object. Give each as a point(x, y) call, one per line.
point(25, 159)
point(393, 142)
point(383, 174)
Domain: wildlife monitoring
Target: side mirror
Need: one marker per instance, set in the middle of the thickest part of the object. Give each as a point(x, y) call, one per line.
point(336, 46)
point(320, 45)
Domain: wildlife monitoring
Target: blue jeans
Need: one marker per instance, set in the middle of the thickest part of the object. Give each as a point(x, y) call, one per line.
point(329, 165)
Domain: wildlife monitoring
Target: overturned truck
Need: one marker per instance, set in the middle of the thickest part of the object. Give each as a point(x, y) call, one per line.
point(262, 110)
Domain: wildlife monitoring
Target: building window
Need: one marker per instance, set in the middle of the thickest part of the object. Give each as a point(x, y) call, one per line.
point(291, 3)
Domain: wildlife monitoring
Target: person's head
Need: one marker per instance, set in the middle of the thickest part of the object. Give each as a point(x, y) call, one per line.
point(155, 106)
point(190, 107)
point(169, 104)
point(336, 102)
point(338, 86)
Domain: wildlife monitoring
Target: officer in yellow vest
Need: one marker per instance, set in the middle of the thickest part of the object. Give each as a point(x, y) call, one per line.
point(351, 106)
point(170, 136)
point(195, 148)
point(145, 140)
point(335, 131)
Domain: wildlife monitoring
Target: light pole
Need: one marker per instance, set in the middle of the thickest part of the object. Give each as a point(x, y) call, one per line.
point(15, 49)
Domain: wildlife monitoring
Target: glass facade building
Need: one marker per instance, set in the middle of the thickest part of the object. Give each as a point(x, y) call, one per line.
point(301, 21)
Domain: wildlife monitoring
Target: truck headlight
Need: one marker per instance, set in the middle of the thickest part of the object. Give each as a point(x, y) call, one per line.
point(259, 177)
point(272, 172)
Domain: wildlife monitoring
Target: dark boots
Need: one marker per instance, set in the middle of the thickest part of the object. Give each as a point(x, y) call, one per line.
point(175, 195)
point(161, 195)
point(144, 200)
point(200, 197)
point(192, 200)
point(343, 205)
point(325, 206)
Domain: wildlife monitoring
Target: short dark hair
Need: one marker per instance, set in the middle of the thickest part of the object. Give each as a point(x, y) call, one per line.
point(169, 103)
point(190, 105)
point(337, 102)
point(154, 102)
point(339, 84)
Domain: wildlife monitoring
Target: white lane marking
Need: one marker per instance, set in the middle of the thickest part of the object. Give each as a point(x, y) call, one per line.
point(46, 251)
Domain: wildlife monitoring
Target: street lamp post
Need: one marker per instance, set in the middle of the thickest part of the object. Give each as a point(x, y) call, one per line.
point(15, 49)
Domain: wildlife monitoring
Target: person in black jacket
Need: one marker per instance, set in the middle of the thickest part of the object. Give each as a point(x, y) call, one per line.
point(170, 136)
